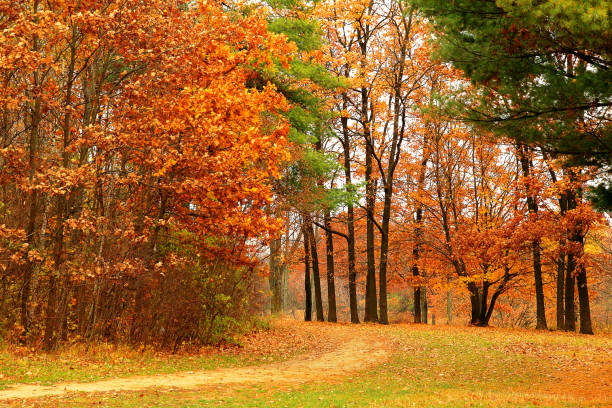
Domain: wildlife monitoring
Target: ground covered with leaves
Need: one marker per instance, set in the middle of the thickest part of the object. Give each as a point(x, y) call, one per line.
point(420, 366)
point(92, 362)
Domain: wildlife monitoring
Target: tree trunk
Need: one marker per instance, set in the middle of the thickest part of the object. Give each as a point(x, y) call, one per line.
point(475, 302)
point(394, 155)
point(570, 312)
point(418, 318)
point(28, 266)
point(561, 263)
point(331, 284)
point(315, 270)
point(418, 236)
point(424, 300)
point(560, 288)
point(51, 320)
point(384, 253)
point(583, 296)
point(537, 270)
point(352, 272)
point(371, 310)
point(307, 287)
point(570, 273)
point(350, 221)
point(484, 298)
point(532, 205)
point(487, 310)
point(276, 276)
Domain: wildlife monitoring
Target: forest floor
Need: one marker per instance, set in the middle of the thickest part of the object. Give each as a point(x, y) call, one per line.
point(300, 364)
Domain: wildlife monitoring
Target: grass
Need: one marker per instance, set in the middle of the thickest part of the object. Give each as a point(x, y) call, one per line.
point(79, 363)
point(105, 361)
point(430, 367)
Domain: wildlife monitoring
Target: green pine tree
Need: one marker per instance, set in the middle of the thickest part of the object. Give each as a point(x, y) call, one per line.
point(543, 71)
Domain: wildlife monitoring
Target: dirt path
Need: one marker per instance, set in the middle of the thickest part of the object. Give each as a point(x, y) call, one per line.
point(356, 354)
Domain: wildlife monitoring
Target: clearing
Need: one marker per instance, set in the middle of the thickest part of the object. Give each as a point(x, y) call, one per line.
point(366, 365)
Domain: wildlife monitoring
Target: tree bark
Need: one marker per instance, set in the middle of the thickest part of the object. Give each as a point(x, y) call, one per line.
point(561, 266)
point(417, 300)
point(315, 270)
point(570, 311)
point(583, 296)
point(331, 284)
point(537, 268)
point(424, 307)
point(560, 287)
point(384, 253)
point(350, 221)
point(418, 236)
point(371, 310)
point(418, 318)
point(52, 315)
point(307, 287)
point(578, 269)
point(561, 258)
point(28, 266)
point(394, 154)
point(532, 206)
point(484, 298)
point(276, 276)
point(475, 302)
point(487, 306)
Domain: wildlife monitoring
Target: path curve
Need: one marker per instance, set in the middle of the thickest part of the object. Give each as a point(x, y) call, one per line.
point(354, 355)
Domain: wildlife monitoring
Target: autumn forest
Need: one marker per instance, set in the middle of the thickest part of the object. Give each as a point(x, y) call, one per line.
point(199, 185)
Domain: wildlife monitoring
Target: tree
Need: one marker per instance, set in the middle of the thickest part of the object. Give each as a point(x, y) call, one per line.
point(121, 143)
point(305, 83)
point(542, 71)
point(551, 59)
